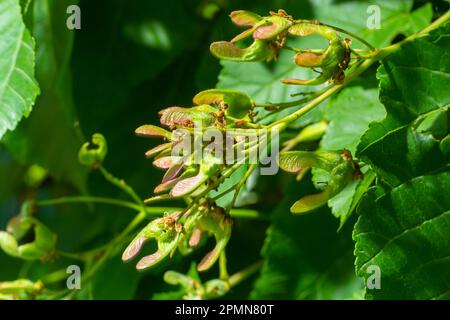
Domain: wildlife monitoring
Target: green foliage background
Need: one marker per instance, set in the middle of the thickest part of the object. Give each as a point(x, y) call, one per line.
point(132, 58)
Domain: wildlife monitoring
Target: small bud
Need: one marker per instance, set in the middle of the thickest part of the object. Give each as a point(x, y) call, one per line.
point(93, 153)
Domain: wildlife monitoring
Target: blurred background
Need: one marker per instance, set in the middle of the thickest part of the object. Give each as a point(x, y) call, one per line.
point(129, 60)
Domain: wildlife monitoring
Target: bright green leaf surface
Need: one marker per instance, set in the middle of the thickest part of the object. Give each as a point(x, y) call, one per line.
point(405, 233)
point(413, 81)
point(51, 137)
point(350, 114)
point(18, 88)
point(355, 16)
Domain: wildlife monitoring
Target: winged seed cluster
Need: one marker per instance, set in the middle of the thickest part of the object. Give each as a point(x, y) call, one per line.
point(233, 122)
point(227, 111)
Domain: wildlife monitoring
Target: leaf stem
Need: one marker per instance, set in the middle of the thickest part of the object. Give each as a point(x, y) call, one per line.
point(89, 199)
point(121, 184)
point(150, 211)
point(223, 266)
point(240, 276)
point(351, 34)
point(240, 184)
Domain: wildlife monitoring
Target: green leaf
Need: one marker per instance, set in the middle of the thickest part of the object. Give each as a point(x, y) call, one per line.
point(396, 18)
point(405, 234)
point(413, 82)
point(340, 204)
point(344, 205)
point(349, 114)
point(403, 230)
point(18, 88)
point(51, 136)
point(304, 256)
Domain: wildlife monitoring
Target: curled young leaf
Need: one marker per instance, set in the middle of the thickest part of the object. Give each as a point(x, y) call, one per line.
point(93, 153)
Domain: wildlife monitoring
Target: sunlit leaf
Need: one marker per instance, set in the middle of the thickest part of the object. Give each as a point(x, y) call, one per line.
point(18, 87)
